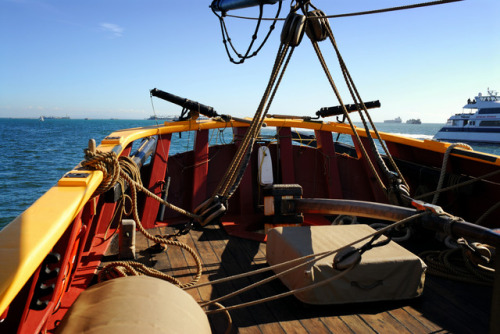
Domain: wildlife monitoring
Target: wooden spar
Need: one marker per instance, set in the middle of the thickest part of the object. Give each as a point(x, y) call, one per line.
point(441, 223)
point(225, 5)
point(354, 208)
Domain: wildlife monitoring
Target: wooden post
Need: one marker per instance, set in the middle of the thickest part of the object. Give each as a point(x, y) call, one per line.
point(158, 170)
point(286, 156)
point(200, 169)
point(325, 144)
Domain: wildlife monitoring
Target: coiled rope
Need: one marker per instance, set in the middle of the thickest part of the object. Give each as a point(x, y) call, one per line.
point(461, 263)
point(123, 168)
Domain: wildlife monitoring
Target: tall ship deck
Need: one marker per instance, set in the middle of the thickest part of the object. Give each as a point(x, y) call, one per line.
point(262, 224)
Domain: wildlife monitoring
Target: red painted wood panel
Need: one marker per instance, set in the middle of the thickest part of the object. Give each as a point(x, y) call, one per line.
point(332, 177)
point(200, 169)
point(286, 156)
point(156, 179)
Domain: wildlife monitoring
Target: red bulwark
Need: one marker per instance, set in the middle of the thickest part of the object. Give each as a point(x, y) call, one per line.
point(378, 195)
point(200, 170)
point(156, 180)
point(325, 144)
point(286, 157)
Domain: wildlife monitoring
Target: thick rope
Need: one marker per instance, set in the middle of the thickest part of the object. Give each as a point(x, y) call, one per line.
point(112, 170)
point(229, 181)
point(455, 264)
point(351, 123)
point(443, 167)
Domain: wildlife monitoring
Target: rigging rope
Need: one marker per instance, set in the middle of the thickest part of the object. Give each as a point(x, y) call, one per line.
point(226, 38)
point(111, 167)
point(216, 205)
point(317, 30)
point(368, 12)
point(293, 30)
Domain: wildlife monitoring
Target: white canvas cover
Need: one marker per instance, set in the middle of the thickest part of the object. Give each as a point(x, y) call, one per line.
point(134, 304)
point(389, 272)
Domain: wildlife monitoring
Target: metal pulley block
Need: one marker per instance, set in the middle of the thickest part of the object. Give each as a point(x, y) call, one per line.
point(317, 25)
point(293, 29)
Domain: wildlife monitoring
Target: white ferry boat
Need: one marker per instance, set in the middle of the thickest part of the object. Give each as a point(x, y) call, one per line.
point(481, 125)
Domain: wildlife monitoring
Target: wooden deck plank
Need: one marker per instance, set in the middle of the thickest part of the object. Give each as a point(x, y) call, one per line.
point(312, 325)
point(383, 322)
point(281, 308)
point(336, 325)
point(211, 253)
point(455, 316)
point(431, 326)
point(234, 260)
point(408, 321)
point(445, 306)
point(356, 324)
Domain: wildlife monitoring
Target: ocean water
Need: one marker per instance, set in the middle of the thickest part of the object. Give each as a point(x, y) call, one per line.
point(35, 155)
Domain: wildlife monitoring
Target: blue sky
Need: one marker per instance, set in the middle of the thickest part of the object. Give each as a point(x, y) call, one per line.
point(99, 59)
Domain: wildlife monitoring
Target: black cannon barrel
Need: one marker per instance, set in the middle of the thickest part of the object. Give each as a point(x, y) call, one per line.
point(185, 103)
point(337, 110)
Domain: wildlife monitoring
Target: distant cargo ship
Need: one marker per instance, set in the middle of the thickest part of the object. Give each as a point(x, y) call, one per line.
point(414, 121)
point(166, 118)
point(396, 120)
point(56, 117)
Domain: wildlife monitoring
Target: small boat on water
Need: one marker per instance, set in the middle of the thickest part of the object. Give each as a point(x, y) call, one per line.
point(395, 120)
point(480, 124)
point(287, 230)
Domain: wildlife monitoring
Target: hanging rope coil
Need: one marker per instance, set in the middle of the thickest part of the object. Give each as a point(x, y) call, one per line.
point(123, 169)
point(226, 39)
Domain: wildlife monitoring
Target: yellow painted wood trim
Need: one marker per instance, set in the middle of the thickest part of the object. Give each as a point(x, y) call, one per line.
point(27, 240)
